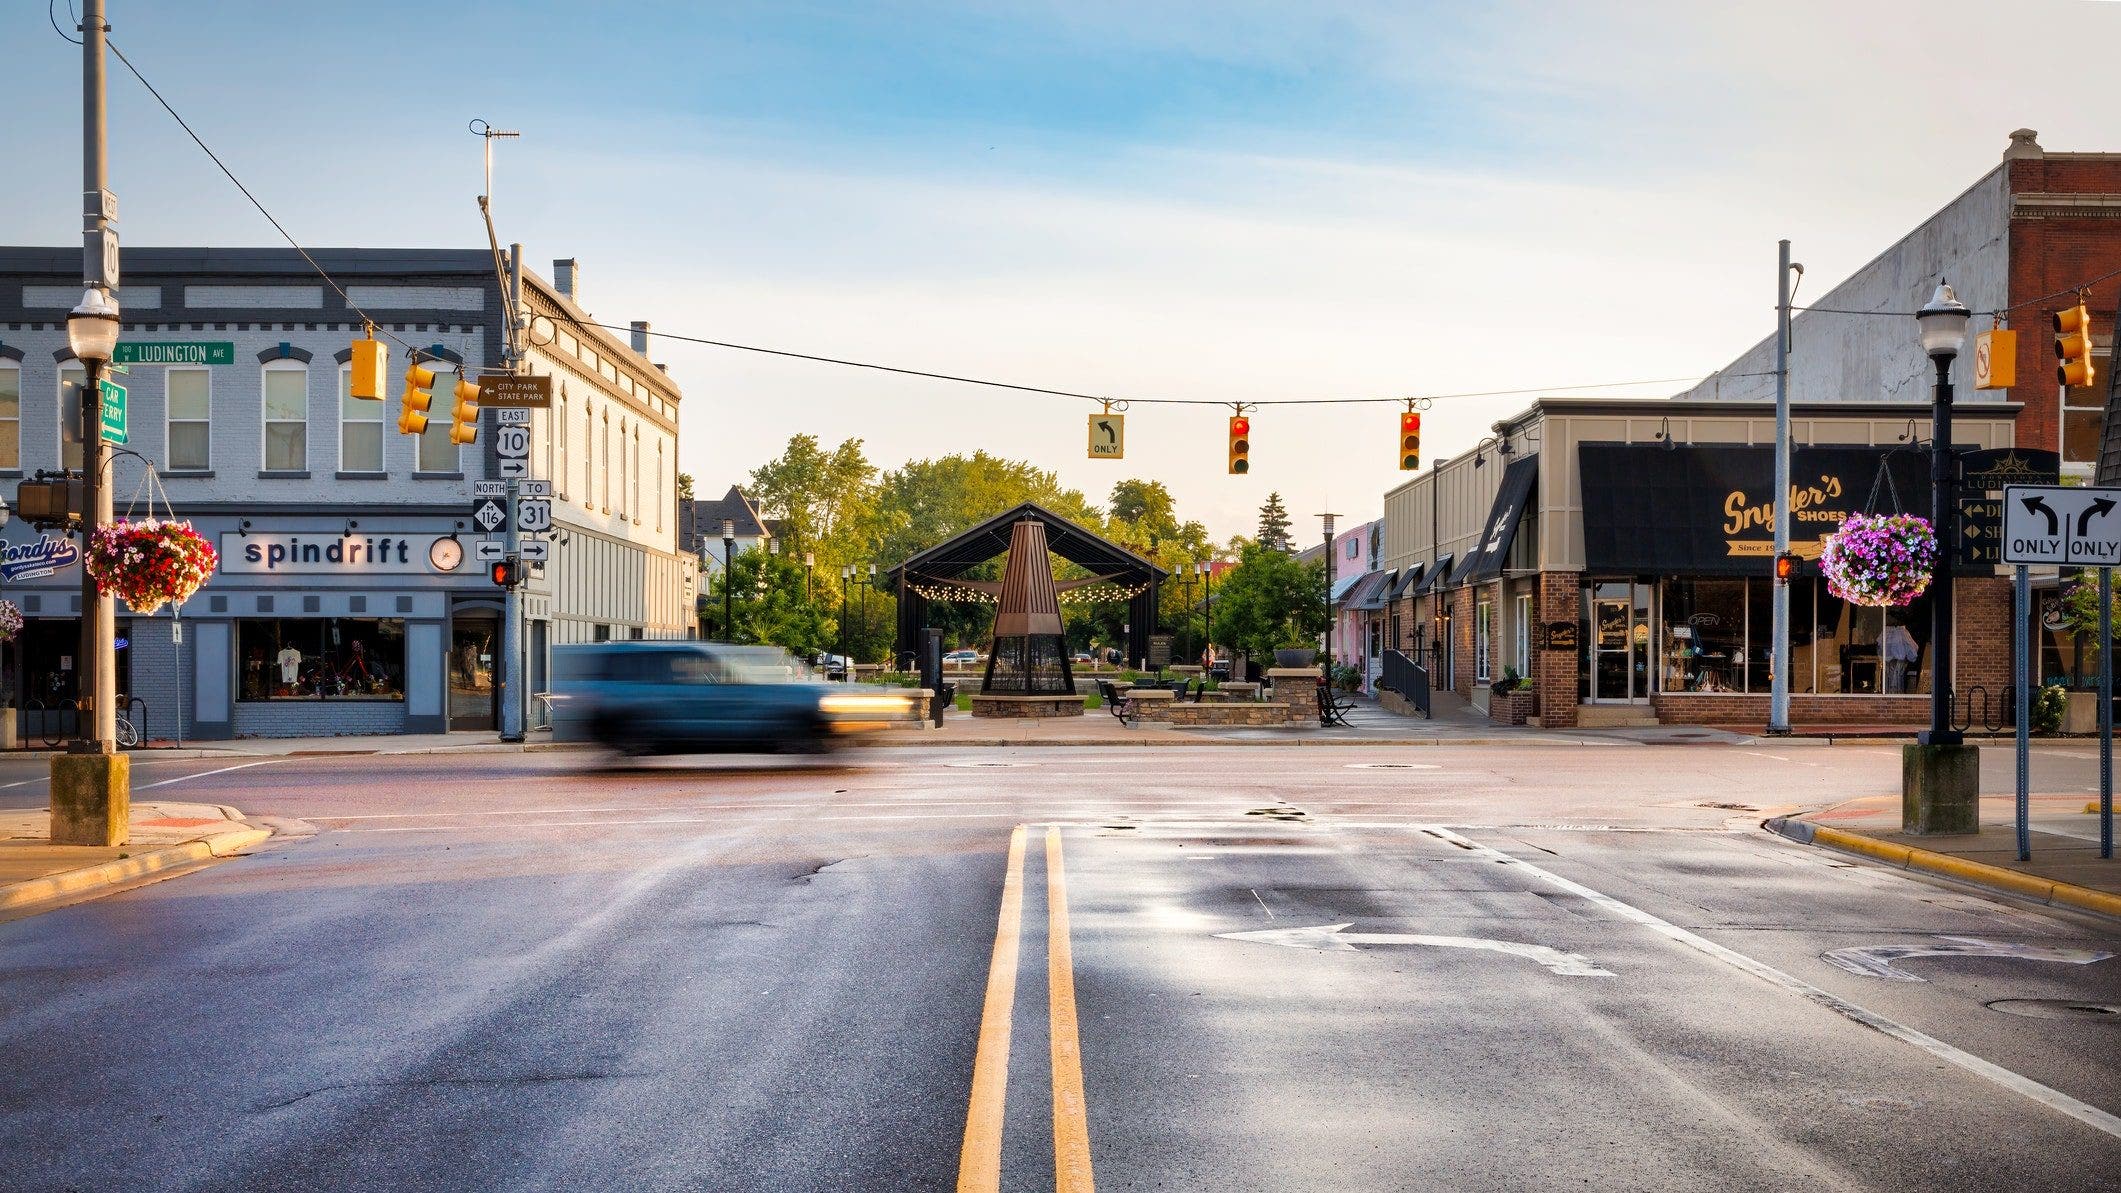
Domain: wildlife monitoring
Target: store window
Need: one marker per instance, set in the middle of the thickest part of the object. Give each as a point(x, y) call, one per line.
point(286, 417)
point(10, 418)
point(1521, 637)
point(188, 407)
point(1718, 637)
point(360, 428)
point(2084, 417)
point(1704, 636)
point(1481, 672)
point(334, 658)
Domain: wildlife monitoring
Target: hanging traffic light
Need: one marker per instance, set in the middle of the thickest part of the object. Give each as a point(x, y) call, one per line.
point(507, 573)
point(1240, 445)
point(1409, 441)
point(412, 407)
point(1785, 567)
point(464, 416)
point(365, 376)
point(2073, 346)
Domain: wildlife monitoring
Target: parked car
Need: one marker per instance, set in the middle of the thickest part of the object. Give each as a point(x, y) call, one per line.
point(674, 697)
point(831, 666)
point(961, 658)
point(1080, 656)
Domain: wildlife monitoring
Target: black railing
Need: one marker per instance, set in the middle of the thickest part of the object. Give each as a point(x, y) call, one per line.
point(1976, 707)
point(1408, 678)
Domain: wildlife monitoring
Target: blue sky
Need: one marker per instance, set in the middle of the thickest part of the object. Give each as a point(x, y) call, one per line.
point(1236, 200)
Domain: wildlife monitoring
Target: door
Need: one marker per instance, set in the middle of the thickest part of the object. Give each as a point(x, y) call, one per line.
point(1620, 643)
point(474, 644)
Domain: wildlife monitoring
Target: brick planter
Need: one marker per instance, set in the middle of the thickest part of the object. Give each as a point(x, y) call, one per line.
point(1513, 707)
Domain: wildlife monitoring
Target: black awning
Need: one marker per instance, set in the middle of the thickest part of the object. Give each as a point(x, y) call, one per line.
point(1407, 580)
point(1434, 580)
point(1486, 560)
point(1710, 510)
point(1369, 595)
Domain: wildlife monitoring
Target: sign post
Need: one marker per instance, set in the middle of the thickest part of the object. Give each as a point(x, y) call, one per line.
point(2022, 667)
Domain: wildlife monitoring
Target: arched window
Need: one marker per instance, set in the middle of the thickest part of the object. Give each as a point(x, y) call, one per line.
point(604, 463)
point(589, 446)
point(560, 428)
point(659, 485)
point(635, 502)
point(286, 397)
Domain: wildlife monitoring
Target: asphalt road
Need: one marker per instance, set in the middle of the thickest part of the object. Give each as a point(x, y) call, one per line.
point(1561, 968)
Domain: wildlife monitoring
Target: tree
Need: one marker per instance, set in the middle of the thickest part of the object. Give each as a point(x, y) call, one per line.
point(1274, 524)
point(814, 493)
point(684, 486)
point(1270, 601)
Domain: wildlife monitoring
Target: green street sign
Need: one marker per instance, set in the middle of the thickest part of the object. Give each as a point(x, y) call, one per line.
point(176, 352)
point(113, 412)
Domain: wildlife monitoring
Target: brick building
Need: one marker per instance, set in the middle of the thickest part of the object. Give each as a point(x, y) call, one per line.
point(1617, 554)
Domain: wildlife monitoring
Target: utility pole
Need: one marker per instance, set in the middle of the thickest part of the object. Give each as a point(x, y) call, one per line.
point(1779, 661)
point(512, 671)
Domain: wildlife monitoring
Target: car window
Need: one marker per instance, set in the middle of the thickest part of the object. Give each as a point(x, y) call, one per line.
point(694, 668)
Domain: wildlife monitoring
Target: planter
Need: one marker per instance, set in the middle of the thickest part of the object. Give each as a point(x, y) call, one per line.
point(1514, 707)
point(2082, 715)
point(10, 737)
point(1301, 656)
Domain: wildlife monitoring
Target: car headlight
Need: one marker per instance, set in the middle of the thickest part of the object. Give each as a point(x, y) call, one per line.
point(862, 704)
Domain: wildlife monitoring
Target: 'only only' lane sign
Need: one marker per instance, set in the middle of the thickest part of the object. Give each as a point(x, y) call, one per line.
point(2054, 524)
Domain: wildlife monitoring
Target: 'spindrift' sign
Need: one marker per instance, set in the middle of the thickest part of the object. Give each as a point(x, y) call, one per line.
point(313, 554)
point(41, 556)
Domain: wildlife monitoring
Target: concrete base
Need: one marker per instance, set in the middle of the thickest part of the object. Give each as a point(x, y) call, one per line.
point(10, 735)
point(1940, 790)
point(92, 799)
point(1026, 706)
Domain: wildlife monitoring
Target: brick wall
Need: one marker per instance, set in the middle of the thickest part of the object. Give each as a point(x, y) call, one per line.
point(1806, 712)
point(1554, 671)
point(2051, 249)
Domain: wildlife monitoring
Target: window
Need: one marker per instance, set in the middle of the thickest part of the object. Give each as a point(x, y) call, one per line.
point(633, 502)
point(335, 658)
point(604, 463)
point(1704, 636)
point(437, 453)
point(1719, 634)
point(286, 417)
point(1354, 545)
point(589, 439)
point(10, 419)
point(2084, 417)
point(659, 485)
point(1522, 641)
point(559, 433)
point(624, 469)
point(1481, 671)
point(360, 428)
point(190, 442)
point(71, 378)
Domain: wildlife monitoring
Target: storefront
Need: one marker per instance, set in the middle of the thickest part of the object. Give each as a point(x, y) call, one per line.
point(1621, 562)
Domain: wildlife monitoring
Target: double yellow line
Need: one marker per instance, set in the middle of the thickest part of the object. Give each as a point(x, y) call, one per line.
point(979, 1168)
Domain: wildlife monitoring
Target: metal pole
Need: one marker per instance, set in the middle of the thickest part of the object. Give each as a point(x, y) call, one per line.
point(512, 677)
point(98, 678)
point(728, 586)
point(1779, 643)
point(2022, 666)
point(1940, 731)
point(2106, 712)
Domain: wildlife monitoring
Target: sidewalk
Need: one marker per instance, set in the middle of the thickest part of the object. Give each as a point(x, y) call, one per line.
point(2066, 869)
point(34, 873)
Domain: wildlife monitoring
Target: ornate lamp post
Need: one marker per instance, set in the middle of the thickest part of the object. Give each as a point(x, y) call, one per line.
point(1941, 774)
point(728, 579)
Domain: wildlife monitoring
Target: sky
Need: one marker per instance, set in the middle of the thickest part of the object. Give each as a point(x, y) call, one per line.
point(1216, 200)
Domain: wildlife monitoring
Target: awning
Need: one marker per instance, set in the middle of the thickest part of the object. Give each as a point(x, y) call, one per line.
point(1343, 585)
point(1368, 594)
point(1436, 577)
point(1407, 580)
point(1486, 562)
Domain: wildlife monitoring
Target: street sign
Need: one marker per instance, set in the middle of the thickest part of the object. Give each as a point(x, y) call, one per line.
point(512, 443)
point(534, 514)
point(1980, 542)
point(489, 551)
point(2053, 524)
point(104, 242)
point(507, 389)
point(513, 416)
point(113, 411)
point(534, 488)
point(536, 550)
point(1108, 436)
point(175, 352)
point(489, 488)
point(487, 512)
point(1994, 469)
point(514, 469)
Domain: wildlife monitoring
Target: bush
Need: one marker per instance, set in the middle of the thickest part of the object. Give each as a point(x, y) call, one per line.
point(2049, 703)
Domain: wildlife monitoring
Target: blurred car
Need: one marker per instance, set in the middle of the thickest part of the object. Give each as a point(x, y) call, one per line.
point(1080, 656)
point(831, 666)
point(679, 697)
point(961, 658)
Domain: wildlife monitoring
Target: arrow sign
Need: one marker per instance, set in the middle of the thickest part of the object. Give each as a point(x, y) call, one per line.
point(1108, 436)
point(2099, 508)
point(2062, 525)
point(2034, 505)
point(1337, 938)
point(1876, 961)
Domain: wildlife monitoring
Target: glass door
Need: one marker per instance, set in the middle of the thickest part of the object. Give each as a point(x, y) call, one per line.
point(474, 642)
point(1620, 643)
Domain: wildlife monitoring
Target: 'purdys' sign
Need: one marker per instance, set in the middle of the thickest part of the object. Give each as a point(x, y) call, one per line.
point(40, 556)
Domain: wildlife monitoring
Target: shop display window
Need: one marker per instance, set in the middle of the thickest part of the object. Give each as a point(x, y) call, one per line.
point(327, 658)
point(1718, 635)
point(1705, 636)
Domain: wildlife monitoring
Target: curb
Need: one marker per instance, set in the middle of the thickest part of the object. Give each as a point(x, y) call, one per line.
point(1907, 857)
point(20, 895)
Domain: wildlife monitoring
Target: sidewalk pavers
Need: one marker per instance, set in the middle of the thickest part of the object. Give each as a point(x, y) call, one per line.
point(36, 874)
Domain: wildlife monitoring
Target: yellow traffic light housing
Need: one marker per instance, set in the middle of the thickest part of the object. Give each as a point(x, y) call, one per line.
point(2073, 346)
point(365, 379)
point(1240, 445)
point(1409, 441)
point(412, 407)
point(464, 416)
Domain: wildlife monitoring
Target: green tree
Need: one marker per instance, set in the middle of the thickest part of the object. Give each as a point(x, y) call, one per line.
point(767, 604)
point(1270, 601)
point(684, 486)
point(1274, 524)
point(817, 495)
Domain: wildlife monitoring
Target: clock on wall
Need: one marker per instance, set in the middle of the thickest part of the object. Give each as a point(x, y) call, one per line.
point(446, 554)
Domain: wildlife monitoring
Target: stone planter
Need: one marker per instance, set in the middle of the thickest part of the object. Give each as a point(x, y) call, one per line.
point(1514, 707)
point(1296, 657)
point(2082, 715)
point(9, 738)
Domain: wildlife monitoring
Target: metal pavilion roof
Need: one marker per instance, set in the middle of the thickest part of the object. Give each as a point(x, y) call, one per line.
point(1085, 548)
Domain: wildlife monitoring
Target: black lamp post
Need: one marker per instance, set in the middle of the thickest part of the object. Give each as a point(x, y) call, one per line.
point(1189, 613)
point(1943, 331)
point(1206, 569)
point(728, 579)
point(809, 562)
point(846, 579)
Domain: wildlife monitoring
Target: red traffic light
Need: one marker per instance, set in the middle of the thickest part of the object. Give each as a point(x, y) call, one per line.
point(1409, 441)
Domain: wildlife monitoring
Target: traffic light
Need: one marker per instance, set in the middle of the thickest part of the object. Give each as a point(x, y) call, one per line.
point(507, 573)
point(1240, 445)
point(365, 378)
point(1785, 567)
point(412, 408)
point(464, 416)
point(2073, 346)
point(1409, 441)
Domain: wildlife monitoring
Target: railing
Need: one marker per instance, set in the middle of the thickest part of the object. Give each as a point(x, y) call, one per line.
point(1408, 678)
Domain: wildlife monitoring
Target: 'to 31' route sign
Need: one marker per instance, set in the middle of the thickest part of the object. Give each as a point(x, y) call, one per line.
point(2053, 524)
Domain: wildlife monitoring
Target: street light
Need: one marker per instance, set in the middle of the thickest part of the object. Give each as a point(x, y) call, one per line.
point(728, 579)
point(1187, 637)
point(92, 332)
point(809, 562)
point(1207, 608)
point(846, 579)
point(1942, 324)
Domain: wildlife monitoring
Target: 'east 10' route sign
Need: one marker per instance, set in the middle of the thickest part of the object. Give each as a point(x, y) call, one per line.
point(2054, 524)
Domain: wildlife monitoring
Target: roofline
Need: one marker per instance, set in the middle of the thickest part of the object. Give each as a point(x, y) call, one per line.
point(1011, 514)
point(254, 259)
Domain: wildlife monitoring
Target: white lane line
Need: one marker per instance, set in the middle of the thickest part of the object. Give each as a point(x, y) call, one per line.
point(2054, 1099)
point(204, 773)
point(1231, 805)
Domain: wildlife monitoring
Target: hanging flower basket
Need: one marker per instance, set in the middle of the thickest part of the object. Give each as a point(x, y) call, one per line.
point(1880, 560)
point(150, 563)
point(10, 621)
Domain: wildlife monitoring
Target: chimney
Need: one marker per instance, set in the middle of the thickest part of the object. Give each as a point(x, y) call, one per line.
point(640, 336)
point(2024, 143)
point(567, 278)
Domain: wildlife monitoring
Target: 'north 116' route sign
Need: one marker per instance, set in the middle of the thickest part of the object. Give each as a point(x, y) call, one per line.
point(2053, 524)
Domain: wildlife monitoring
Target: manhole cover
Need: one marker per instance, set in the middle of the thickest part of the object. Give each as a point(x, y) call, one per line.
point(1390, 766)
point(2057, 1008)
point(980, 764)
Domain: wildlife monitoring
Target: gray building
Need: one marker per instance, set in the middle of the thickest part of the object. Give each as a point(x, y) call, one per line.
point(348, 598)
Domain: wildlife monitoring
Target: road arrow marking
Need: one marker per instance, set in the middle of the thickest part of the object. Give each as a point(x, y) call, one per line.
point(1337, 938)
point(1876, 961)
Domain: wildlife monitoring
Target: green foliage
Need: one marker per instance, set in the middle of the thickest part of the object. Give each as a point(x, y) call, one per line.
point(1510, 681)
point(1274, 524)
point(1269, 601)
point(2080, 612)
point(820, 498)
point(2049, 703)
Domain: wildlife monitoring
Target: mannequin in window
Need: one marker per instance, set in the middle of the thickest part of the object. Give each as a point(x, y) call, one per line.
point(290, 661)
point(1901, 653)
